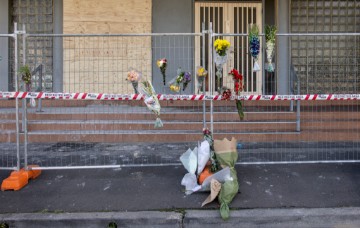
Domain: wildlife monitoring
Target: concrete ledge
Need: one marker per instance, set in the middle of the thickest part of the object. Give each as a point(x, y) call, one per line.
point(332, 217)
point(89, 220)
point(323, 217)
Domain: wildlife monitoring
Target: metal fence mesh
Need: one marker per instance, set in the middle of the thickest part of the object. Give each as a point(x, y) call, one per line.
point(8, 151)
point(113, 133)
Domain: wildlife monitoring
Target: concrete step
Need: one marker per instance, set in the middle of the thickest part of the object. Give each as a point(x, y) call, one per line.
point(188, 136)
point(141, 125)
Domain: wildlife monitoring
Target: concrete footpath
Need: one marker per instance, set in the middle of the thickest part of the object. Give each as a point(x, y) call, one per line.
point(301, 195)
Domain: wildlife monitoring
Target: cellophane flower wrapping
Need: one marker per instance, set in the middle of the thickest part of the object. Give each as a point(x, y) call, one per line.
point(270, 38)
point(134, 76)
point(183, 78)
point(175, 83)
point(151, 101)
point(254, 45)
point(201, 74)
point(221, 48)
point(162, 64)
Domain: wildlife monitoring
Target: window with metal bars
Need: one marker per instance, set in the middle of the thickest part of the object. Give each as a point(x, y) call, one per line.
point(326, 63)
point(37, 17)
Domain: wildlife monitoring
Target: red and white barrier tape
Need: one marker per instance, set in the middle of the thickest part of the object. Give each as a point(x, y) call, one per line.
point(104, 96)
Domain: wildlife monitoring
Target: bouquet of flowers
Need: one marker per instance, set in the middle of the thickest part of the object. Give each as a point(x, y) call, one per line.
point(270, 38)
point(201, 74)
point(26, 76)
point(162, 64)
point(186, 80)
point(151, 101)
point(254, 45)
point(227, 155)
point(208, 137)
point(133, 77)
point(181, 78)
point(238, 87)
point(222, 182)
point(220, 56)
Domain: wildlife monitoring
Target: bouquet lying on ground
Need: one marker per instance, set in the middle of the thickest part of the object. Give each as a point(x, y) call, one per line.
point(270, 38)
point(221, 182)
point(201, 74)
point(133, 77)
point(254, 45)
point(162, 64)
point(238, 87)
point(151, 101)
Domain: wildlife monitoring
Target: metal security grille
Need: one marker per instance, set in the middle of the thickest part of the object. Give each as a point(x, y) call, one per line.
point(233, 18)
point(326, 64)
point(37, 16)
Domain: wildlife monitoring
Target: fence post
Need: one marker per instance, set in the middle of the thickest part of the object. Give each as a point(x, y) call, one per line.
point(203, 65)
point(25, 106)
point(16, 99)
point(210, 63)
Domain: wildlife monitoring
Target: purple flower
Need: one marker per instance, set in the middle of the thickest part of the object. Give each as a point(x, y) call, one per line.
point(187, 76)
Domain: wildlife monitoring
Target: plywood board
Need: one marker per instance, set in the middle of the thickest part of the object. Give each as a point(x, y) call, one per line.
point(100, 63)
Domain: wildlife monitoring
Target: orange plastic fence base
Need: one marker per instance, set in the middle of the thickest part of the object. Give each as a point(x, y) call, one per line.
point(18, 179)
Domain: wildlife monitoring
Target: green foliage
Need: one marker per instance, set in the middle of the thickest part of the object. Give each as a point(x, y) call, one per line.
point(25, 74)
point(254, 31)
point(112, 225)
point(4, 225)
point(270, 33)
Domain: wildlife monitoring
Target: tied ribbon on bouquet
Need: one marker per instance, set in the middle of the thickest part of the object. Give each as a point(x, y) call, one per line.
point(201, 74)
point(238, 87)
point(134, 77)
point(151, 101)
point(270, 39)
point(254, 45)
point(162, 64)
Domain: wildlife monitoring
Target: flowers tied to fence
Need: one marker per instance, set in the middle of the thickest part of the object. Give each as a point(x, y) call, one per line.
point(201, 74)
point(25, 73)
point(270, 39)
point(134, 77)
point(162, 64)
point(182, 78)
point(238, 87)
point(26, 77)
point(151, 100)
point(220, 57)
point(254, 45)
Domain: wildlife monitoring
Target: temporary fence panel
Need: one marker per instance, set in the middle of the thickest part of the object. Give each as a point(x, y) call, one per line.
point(83, 133)
point(9, 121)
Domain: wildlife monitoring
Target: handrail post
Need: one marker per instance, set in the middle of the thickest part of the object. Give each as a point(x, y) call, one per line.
point(210, 63)
point(203, 65)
